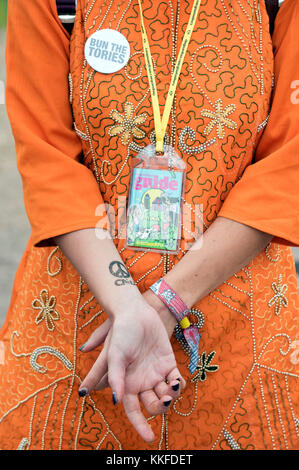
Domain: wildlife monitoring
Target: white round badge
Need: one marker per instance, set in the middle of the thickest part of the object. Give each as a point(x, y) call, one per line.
point(107, 51)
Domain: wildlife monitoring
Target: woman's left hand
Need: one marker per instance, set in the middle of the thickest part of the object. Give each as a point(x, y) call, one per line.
point(100, 334)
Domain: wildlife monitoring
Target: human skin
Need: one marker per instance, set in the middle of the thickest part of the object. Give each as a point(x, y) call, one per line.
point(141, 359)
point(225, 248)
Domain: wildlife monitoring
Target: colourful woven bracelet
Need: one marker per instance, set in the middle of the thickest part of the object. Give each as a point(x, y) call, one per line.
point(180, 311)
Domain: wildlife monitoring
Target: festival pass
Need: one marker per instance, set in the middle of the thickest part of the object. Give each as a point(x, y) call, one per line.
point(154, 209)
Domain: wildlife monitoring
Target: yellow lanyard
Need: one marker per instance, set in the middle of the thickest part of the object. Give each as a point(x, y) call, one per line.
point(161, 125)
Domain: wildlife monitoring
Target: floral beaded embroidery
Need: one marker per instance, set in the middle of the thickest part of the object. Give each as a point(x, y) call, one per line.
point(219, 119)
point(46, 309)
point(126, 124)
point(279, 298)
point(204, 367)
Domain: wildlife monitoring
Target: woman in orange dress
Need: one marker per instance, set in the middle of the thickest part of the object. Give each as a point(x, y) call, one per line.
point(76, 132)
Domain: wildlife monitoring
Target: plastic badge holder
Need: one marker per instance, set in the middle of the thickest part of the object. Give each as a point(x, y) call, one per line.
point(155, 200)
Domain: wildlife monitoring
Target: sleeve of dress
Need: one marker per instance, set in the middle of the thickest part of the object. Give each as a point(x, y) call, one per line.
point(267, 195)
point(60, 193)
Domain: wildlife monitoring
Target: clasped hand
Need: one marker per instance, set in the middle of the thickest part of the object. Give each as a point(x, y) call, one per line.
point(136, 362)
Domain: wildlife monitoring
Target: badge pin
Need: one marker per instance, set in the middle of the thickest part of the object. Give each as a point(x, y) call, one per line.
point(107, 51)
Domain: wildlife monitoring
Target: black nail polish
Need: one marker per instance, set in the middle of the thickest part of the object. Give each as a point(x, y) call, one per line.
point(83, 392)
point(82, 347)
point(166, 403)
point(175, 387)
point(114, 398)
point(178, 379)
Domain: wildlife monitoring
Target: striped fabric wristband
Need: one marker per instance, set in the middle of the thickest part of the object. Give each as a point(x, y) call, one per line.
point(180, 311)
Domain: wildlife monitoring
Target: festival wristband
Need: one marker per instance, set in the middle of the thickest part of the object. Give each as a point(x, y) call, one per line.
point(180, 311)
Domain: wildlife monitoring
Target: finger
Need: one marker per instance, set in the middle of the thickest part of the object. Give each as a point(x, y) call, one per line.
point(116, 373)
point(153, 404)
point(176, 375)
point(173, 388)
point(95, 374)
point(103, 382)
point(97, 337)
point(137, 419)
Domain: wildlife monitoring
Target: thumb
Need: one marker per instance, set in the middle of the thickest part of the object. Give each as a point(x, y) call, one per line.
point(103, 383)
point(97, 337)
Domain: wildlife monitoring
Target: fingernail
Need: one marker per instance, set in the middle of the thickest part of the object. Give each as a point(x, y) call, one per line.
point(167, 403)
point(83, 392)
point(178, 379)
point(175, 387)
point(114, 398)
point(82, 347)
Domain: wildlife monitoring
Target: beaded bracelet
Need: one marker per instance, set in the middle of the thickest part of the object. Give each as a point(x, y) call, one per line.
point(180, 311)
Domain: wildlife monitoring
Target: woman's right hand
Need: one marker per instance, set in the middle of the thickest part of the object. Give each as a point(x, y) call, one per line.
point(140, 358)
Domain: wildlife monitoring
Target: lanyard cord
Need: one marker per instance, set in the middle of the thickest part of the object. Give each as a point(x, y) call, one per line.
point(161, 125)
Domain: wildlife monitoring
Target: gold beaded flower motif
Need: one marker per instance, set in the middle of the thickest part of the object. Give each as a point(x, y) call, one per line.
point(279, 299)
point(126, 124)
point(46, 309)
point(219, 118)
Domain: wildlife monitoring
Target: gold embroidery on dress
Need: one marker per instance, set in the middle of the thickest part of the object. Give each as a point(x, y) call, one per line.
point(257, 69)
point(279, 299)
point(107, 164)
point(23, 444)
point(267, 249)
point(58, 261)
point(126, 124)
point(219, 118)
point(37, 352)
point(278, 335)
point(87, 307)
point(295, 420)
point(231, 441)
point(187, 413)
point(62, 404)
point(80, 133)
point(48, 414)
point(53, 352)
point(70, 88)
point(228, 305)
point(241, 303)
point(188, 132)
point(39, 418)
point(46, 309)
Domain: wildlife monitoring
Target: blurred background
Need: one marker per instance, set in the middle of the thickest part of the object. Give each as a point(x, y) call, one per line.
point(14, 226)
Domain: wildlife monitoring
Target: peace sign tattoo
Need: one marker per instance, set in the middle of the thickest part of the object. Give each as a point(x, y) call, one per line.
point(120, 271)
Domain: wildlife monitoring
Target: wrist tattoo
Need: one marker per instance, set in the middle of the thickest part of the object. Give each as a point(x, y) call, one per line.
point(119, 270)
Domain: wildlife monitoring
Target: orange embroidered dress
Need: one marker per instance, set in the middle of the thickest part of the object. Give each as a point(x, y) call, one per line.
point(76, 131)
